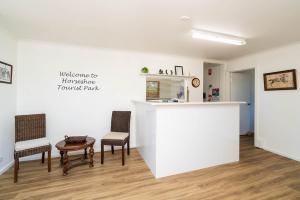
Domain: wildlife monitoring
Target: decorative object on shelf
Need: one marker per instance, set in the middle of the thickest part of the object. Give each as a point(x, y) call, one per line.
point(75, 139)
point(187, 94)
point(209, 71)
point(152, 90)
point(166, 71)
point(215, 94)
point(171, 72)
point(145, 70)
point(180, 94)
point(209, 98)
point(209, 95)
point(6, 73)
point(161, 71)
point(195, 82)
point(281, 80)
point(204, 95)
point(178, 69)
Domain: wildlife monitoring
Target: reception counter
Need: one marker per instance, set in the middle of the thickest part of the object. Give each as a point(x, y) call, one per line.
point(174, 138)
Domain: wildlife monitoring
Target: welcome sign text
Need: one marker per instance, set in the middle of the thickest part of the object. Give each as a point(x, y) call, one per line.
point(72, 81)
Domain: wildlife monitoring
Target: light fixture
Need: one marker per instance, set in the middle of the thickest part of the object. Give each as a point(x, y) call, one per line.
point(185, 18)
point(217, 37)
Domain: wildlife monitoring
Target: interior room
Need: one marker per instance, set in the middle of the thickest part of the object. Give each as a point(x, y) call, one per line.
point(140, 99)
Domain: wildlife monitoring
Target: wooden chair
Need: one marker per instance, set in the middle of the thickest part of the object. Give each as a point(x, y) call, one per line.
point(30, 137)
point(119, 135)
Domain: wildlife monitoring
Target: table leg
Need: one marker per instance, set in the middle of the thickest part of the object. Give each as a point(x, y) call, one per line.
point(91, 156)
point(85, 153)
point(66, 163)
point(61, 158)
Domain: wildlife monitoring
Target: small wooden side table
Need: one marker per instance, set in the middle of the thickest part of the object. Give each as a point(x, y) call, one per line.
point(64, 148)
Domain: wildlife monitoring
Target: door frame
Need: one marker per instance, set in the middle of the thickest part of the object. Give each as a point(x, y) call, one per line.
point(257, 141)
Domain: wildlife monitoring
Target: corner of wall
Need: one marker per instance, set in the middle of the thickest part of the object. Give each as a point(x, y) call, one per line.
point(8, 54)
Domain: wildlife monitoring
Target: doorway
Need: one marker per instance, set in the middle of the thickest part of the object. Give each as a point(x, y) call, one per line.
point(213, 82)
point(243, 89)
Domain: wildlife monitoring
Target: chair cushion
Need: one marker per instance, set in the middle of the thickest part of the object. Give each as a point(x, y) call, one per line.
point(115, 136)
point(28, 144)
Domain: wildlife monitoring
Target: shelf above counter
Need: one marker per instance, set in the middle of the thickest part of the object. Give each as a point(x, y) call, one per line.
point(166, 76)
point(200, 103)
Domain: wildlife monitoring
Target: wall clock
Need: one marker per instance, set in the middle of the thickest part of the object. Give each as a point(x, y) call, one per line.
point(195, 82)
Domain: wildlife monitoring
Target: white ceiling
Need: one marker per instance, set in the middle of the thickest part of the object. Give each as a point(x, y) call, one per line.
point(155, 25)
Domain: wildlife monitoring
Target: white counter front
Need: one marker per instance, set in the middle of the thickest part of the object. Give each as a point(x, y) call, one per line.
point(174, 138)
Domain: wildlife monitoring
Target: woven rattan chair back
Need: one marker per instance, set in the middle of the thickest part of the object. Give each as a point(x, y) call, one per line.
point(28, 127)
point(120, 121)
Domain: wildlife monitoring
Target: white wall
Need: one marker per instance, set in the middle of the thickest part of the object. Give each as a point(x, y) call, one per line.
point(81, 113)
point(278, 112)
point(8, 51)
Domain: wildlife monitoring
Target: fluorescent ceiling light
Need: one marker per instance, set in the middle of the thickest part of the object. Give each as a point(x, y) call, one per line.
point(217, 37)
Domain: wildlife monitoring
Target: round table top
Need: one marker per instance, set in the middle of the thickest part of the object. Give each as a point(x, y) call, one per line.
point(62, 146)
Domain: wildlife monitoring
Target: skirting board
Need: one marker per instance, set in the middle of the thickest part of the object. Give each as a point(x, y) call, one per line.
point(5, 168)
point(281, 154)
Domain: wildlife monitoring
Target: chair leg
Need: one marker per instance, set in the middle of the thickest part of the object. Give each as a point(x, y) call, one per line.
point(43, 157)
point(102, 153)
point(128, 147)
point(49, 160)
point(61, 158)
point(112, 149)
point(123, 155)
point(16, 170)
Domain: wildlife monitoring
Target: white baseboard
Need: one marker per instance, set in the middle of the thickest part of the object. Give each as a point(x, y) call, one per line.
point(6, 167)
point(281, 154)
point(258, 143)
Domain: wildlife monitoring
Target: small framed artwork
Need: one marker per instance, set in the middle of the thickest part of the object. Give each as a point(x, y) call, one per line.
point(179, 70)
point(6, 73)
point(281, 80)
point(152, 90)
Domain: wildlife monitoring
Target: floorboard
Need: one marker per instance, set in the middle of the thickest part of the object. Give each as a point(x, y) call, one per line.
point(258, 175)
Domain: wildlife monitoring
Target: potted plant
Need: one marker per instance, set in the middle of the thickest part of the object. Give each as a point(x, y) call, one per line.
point(145, 70)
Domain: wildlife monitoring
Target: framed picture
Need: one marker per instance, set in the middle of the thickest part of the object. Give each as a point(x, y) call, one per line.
point(179, 70)
point(152, 90)
point(281, 80)
point(6, 73)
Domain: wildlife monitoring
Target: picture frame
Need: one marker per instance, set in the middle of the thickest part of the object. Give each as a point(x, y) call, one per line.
point(280, 80)
point(178, 69)
point(152, 90)
point(6, 71)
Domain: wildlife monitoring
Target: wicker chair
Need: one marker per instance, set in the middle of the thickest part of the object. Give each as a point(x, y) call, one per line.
point(30, 131)
point(119, 135)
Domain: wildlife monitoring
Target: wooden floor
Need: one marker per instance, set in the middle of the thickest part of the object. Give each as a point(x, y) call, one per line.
point(258, 175)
